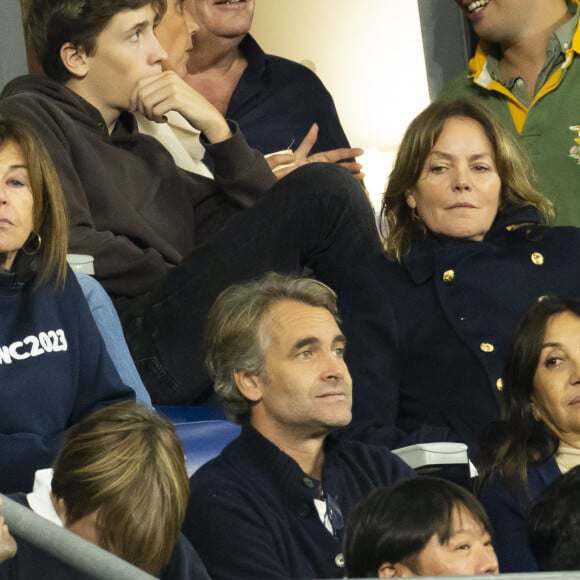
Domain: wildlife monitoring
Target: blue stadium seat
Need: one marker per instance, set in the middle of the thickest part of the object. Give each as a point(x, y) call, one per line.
point(203, 431)
point(179, 415)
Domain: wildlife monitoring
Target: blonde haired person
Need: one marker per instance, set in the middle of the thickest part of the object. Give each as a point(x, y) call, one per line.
point(120, 482)
point(468, 248)
point(54, 367)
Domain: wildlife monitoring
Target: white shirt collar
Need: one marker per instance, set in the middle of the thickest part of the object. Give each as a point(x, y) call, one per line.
point(39, 498)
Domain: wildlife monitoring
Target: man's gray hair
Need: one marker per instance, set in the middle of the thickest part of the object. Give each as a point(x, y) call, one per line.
point(234, 336)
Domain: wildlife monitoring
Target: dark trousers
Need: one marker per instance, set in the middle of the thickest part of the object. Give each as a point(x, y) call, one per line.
point(318, 217)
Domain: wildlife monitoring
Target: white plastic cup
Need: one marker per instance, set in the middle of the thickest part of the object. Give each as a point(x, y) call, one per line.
point(81, 263)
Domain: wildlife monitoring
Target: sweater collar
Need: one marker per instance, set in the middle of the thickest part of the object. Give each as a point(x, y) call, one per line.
point(281, 468)
point(420, 261)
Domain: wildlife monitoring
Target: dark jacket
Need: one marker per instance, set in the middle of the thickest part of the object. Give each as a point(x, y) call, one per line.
point(507, 509)
point(276, 101)
point(426, 338)
point(54, 370)
point(251, 511)
point(129, 205)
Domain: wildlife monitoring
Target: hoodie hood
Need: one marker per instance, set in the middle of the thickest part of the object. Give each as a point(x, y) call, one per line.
point(71, 103)
point(77, 108)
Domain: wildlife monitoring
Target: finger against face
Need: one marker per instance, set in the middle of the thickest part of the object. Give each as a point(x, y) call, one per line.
point(127, 51)
point(157, 95)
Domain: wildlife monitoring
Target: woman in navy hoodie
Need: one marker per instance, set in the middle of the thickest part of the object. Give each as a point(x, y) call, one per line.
point(54, 367)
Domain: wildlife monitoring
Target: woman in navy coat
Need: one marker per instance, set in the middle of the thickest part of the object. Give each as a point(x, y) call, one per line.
point(468, 248)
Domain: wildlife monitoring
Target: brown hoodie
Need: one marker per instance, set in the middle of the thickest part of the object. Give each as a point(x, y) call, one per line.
point(129, 205)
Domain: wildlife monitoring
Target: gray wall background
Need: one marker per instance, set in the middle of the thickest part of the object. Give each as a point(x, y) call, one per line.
point(446, 42)
point(12, 49)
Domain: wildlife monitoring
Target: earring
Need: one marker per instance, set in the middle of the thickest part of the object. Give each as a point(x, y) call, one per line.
point(414, 215)
point(32, 244)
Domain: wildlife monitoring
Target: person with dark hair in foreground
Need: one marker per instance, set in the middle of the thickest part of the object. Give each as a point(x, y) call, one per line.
point(119, 482)
point(554, 524)
point(422, 527)
point(274, 502)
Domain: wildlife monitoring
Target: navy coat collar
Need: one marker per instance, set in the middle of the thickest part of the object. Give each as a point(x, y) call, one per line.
point(420, 261)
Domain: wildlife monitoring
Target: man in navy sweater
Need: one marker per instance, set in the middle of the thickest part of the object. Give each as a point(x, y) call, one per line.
point(274, 503)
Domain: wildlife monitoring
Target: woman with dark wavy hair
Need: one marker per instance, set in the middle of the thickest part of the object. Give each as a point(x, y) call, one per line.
point(538, 437)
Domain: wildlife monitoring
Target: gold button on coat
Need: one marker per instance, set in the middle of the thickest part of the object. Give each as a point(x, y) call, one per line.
point(448, 276)
point(499, 384)
point(339, 560)
point(486, 347)
point(537, 258)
